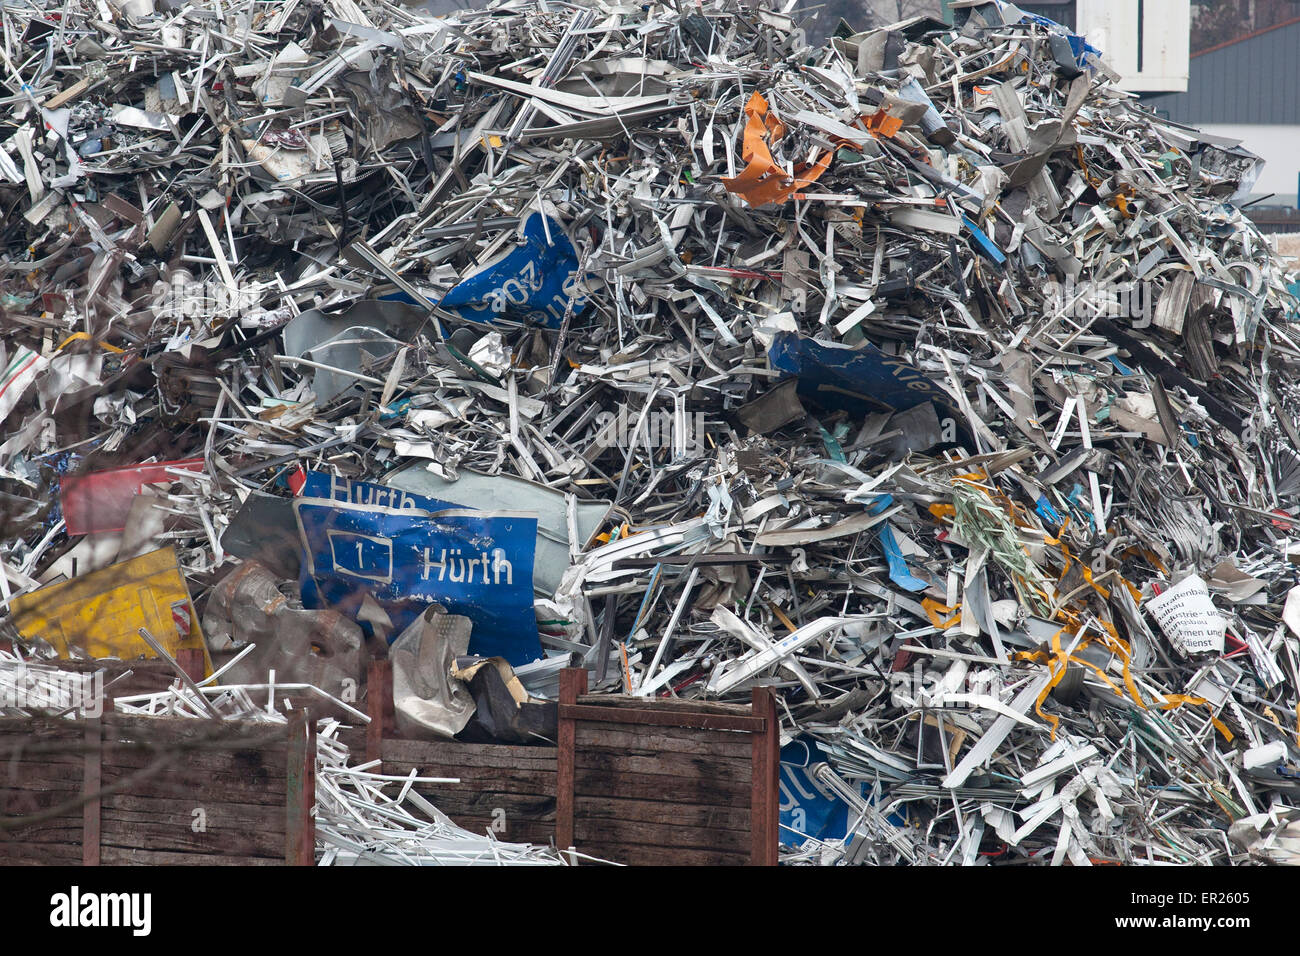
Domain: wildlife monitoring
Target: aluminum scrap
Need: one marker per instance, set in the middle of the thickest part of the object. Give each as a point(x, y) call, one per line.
point(924, 376)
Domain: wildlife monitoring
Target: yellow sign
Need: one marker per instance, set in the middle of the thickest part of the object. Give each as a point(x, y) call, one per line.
point(101, 613)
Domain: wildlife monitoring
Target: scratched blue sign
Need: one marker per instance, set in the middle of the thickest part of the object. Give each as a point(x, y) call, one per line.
point(807, 808)
point(531, 283)
point(408, 551)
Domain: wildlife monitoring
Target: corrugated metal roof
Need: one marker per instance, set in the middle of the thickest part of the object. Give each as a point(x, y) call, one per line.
point(1253, 79)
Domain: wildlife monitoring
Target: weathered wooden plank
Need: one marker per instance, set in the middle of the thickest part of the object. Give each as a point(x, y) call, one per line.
point(56, 727)
point(644, 786)
point(240, 767)
point(91, 789)
point(666, 764)
point(44, 750)
point(26, 853)
point(134, 856)
point(573, 684)
point(266, 763)
point(229, 791)
point(652, 717)
point(228, 734)
point(216, 813)
point(764, 799)
point(640, 855)
point(59, 769)
point(34, 790)
point(258, 768)
point(140, 830)
point(664, 704)
point(64, 828)
point(29, 794)
point(236, 835)
point(227, 788)
point(440, 754)
point(300, 832)
point(379, 703)
point(722, 743)
point(61, 747)
point(704, 816)
point(195, 743)
point(588, 830)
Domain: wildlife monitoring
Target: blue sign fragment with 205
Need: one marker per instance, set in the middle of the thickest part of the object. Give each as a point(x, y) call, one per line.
point(531, 283)
point(408, 551)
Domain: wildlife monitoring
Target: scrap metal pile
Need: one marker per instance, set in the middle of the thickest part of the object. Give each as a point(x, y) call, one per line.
point(924, 377)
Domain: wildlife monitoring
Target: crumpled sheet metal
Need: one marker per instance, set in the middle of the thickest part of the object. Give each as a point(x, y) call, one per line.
point(427, 700)
point(1020, 563)
point(299, 646)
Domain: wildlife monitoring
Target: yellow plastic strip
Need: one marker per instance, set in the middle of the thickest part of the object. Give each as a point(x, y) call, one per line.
point(935, 611)
point(76, 336)
point(1056, 676)
point(1118, 646)
point(1173, 701)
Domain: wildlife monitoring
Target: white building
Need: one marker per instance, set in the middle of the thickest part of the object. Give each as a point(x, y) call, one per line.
point(1145, 41)
point(1249, 89)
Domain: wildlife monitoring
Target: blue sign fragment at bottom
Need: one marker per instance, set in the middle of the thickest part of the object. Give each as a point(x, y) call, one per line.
point(808, 809)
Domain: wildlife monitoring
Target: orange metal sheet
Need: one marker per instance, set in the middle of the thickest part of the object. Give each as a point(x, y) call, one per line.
point(762, 181)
